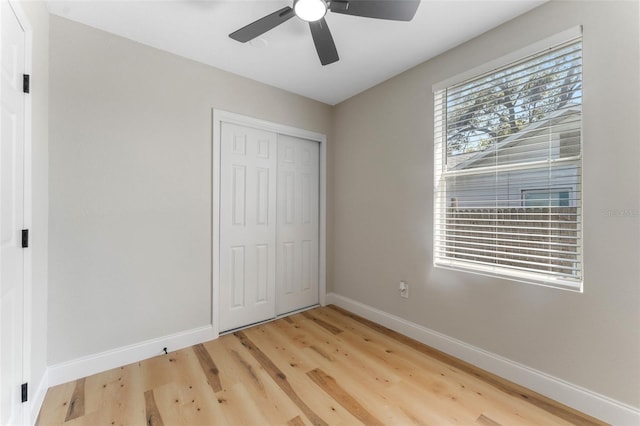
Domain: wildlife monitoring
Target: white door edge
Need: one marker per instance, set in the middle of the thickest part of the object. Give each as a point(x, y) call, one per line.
point(220, 116)
point(27, 213)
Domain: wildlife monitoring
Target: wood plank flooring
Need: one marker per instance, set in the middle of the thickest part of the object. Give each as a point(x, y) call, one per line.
point(325, 366)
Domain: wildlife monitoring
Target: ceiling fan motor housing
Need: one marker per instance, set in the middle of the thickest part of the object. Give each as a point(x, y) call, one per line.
point(310, 10)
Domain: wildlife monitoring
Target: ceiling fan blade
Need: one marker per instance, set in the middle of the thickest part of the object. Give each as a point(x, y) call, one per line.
point(395, 10)
point(324, 42)
point(262, 25)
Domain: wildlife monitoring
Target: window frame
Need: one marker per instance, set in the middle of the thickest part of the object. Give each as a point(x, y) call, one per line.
point(441, 260)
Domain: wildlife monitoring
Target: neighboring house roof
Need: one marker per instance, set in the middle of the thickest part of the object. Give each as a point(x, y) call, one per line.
point(555, 117)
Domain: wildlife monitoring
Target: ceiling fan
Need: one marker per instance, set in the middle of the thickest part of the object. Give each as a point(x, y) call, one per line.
point(313, 11)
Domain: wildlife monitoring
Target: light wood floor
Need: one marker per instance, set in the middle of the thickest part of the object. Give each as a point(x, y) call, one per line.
point(324, 367)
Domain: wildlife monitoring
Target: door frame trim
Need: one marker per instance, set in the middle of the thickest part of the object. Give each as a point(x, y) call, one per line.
point(220, 116)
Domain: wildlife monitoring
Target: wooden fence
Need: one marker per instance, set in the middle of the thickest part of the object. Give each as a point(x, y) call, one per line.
point(535, 238)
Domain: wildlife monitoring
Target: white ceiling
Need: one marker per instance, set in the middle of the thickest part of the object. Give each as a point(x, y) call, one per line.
point(370, 50)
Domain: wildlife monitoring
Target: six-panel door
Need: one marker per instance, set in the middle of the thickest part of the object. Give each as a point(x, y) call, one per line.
point(298, 224)
point(247, 226)
point(269, 225)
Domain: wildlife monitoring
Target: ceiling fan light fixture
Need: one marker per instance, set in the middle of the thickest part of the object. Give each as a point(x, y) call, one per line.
point(310, 10)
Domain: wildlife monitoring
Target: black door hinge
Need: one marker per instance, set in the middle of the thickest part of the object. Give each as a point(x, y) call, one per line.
point(25, 83)
point(25, 238)
point(24, 392)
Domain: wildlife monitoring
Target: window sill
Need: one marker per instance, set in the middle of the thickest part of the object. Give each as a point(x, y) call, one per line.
point(538, 279)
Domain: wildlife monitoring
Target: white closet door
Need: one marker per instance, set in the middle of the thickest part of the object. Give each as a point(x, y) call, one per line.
point(247, 226)
point(298, 223)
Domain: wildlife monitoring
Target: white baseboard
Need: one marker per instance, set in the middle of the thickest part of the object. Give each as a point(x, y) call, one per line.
point(92, 364)
point(566, 393)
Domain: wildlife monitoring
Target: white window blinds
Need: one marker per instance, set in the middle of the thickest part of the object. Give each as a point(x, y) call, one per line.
point(508, 174)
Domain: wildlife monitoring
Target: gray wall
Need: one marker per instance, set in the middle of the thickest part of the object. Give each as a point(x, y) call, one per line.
point(130, 182)
point(383, 210)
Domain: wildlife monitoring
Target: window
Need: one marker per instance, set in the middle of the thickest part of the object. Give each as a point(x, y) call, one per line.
point(508, 168)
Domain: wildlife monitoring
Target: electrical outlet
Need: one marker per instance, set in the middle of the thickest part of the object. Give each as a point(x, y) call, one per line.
point(403, 288)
